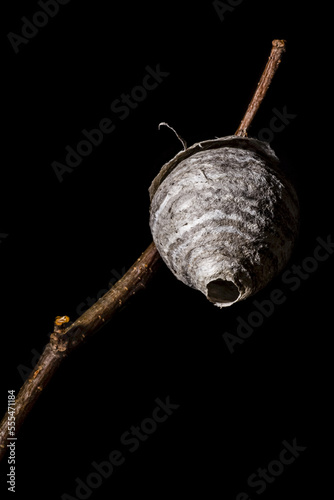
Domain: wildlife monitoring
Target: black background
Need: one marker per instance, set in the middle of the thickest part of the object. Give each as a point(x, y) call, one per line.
point(67, 240)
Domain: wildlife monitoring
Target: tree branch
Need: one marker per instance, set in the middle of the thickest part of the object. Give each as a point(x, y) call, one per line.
point(278, 47)
point(64, 340)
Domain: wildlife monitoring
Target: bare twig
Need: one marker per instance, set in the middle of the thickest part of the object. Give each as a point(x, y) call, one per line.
point(278, 47)
point(64, 340)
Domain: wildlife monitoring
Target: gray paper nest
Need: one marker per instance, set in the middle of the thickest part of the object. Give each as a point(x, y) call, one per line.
point(223, 217)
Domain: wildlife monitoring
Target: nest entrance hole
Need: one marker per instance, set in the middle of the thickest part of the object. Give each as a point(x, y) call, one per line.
point(222, 291)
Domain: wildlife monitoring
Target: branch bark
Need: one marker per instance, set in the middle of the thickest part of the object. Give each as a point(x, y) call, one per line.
point(278, 48)
point(64, 340)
